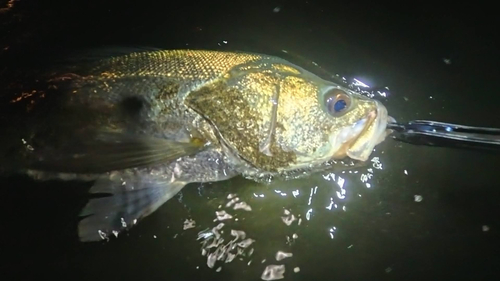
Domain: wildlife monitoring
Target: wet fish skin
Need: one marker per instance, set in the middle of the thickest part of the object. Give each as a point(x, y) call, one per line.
point(257, 115)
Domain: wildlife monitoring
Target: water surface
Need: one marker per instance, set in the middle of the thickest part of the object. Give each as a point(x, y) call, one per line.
point(411, 213)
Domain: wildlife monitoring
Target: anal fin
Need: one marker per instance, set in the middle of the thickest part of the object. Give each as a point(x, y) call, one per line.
point(133, 198)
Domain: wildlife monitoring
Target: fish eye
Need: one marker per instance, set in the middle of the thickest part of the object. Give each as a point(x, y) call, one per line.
point(337, 102)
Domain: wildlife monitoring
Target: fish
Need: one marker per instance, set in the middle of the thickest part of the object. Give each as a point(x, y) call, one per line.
point(142, 124)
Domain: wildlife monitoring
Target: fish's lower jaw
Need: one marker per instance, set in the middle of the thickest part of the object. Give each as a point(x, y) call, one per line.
point(373, 134)
point(340, 141)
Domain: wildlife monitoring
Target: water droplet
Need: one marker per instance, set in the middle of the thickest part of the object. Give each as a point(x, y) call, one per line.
point(222, 215)
point(273, 272)
point(280, 255)
point(242, 205)
point(288, 219)
point(188, 224)
point(102, 235)
point(124, 224)
point(245, 243)
point(211, 260)
point(239, 234)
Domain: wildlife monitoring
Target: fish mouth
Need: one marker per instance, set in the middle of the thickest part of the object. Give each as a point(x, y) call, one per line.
point(359, 140)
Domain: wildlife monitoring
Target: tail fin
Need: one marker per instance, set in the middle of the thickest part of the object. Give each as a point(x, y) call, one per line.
point(133, 197)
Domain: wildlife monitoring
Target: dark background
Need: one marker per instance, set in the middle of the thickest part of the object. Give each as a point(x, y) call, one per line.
point(403, 46)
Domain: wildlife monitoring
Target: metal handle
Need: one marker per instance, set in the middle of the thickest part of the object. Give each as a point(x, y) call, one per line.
point(424, 132)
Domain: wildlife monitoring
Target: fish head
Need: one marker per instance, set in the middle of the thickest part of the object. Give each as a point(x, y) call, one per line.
point(276, 118)
point(331, 123)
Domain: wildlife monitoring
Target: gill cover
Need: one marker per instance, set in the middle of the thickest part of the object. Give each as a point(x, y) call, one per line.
point(244, 108)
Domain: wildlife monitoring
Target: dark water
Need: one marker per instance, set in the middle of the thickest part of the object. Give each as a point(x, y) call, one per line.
point(414, 213)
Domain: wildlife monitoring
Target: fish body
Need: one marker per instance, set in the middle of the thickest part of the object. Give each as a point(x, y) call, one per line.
point(145, 124)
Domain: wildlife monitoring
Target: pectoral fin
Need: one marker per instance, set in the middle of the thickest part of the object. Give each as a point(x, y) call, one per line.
point(115, 151)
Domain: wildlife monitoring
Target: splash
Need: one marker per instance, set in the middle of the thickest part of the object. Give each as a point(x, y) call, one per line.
point(214, 248)
point(221, 246)
point(230, 239)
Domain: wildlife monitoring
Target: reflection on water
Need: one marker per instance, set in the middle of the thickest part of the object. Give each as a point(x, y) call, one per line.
point(238, 246)
point(259, 226)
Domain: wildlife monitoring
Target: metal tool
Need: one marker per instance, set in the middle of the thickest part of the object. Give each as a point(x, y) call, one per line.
point(432, 133)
